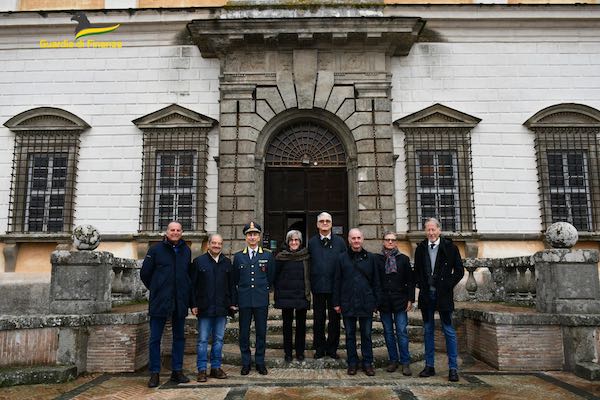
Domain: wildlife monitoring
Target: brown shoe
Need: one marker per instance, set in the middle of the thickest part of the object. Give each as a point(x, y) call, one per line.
point(392, 367)
point(351, 370)
point(201, 377)
point(406, 371)
point(369, 371)
point(218, 373)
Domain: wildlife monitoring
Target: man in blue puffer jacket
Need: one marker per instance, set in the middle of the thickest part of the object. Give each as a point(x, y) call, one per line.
point(165, 274)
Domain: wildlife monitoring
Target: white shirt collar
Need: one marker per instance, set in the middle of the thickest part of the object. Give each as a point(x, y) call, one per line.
point(323, 237)
point(437, 242)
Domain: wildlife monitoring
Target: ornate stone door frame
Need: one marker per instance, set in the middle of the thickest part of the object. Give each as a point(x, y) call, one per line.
point(334, 70)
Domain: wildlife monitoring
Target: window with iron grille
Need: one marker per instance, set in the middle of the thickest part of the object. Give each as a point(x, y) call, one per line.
point(44, 170)
point(567, 156)
point(437, 143)
point(437, 186)
point(175, 155)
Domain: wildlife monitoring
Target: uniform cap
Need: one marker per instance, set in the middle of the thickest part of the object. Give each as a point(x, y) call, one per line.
point(252, 227)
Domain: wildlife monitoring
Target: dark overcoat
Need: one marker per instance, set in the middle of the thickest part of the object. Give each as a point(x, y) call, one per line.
point(357, 285)
point(397, 288)
point(292, 285)
point(212, 283)
point(323, 261)
point(447, 272)
point(165, 273)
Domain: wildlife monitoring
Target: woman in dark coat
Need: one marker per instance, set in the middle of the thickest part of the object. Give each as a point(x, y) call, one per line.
point(292, 292)
point(398, 294)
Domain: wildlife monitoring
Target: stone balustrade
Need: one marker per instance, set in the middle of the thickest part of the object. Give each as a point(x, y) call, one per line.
point(512, 280)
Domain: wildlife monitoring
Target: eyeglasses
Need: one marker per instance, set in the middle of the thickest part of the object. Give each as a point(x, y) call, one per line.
point(324, 221)
point(389, 240)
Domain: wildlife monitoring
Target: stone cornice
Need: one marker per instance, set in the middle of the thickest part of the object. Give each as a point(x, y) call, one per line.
point(394, 35)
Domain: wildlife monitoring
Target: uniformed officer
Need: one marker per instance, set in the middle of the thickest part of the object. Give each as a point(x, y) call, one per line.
point(254, 271)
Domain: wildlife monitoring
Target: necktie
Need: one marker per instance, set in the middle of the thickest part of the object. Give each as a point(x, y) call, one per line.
point(325, 241)
point(432, 245)
point(251, 255)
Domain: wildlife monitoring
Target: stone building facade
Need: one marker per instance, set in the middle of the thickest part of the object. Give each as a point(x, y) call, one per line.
point(483, 115)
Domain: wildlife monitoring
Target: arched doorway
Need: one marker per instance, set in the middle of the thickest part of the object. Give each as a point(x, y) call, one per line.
point(305, 174)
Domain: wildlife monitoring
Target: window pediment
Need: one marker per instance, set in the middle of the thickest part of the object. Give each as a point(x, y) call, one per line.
point(438, 116)
point(174, 116)
point(570, 115)
point(46, 119)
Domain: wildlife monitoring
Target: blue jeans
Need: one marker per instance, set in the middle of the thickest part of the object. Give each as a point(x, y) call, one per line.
point(157, 326)
point(399, 340)
point(429, 333)
point(207, 327)
point(366, 346)
point(260, 325)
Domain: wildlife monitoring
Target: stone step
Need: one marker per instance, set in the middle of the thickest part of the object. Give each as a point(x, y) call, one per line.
point(276, 341)
point(588, 370)
point(274, 358)
point(37, 375)
point(275, 327)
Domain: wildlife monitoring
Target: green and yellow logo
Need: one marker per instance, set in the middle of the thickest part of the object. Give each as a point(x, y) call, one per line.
point(84, 29)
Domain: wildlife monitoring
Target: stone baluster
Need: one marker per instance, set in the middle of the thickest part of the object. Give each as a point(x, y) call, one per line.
point(522, 283)
point(471, 284)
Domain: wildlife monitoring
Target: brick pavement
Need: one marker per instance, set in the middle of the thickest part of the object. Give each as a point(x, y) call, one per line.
point(478, 381)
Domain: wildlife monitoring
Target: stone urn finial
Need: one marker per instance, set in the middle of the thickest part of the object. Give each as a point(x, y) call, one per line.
point(561, 235)
point(86, 237)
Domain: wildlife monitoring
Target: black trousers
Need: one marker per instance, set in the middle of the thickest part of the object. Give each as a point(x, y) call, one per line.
point(323, 308)
point(288, 319)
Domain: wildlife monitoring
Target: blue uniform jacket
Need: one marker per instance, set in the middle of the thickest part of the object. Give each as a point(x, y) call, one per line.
point(165, 274)
point(253, 279)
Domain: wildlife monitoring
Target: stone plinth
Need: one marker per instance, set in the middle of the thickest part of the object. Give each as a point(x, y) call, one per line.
point(567, 281)
point(80, 282)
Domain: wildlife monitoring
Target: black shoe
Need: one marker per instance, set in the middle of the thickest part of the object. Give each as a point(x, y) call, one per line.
point(245, 370)
point(300, 357)
point(288, 358)
point(154, 380)
point(427, 372)
point(179, 377)
point(352, 370)
point(262, 369)
point(334, 355)
point(319, 354)
point(453, 375)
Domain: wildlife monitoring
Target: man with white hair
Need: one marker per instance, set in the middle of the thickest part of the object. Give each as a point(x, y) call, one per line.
point(324, 249)
point(438, 268)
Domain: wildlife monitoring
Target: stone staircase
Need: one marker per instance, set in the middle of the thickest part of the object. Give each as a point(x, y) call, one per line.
point(274, 352)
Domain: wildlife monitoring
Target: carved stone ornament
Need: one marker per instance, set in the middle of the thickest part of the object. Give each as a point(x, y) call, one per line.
point(561, 235)
point(86, 237)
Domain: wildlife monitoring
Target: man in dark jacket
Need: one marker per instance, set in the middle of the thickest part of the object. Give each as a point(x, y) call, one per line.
point(438, 268)
point(212, 282)
point(165, 274)
point(254, 271)
point(356, 292)
point(324, 249)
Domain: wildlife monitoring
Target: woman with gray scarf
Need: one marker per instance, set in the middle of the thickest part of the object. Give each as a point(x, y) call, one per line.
point(292, 292)
point(398, 294)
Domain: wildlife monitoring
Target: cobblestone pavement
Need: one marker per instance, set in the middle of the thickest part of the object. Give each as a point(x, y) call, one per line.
point(478, 381)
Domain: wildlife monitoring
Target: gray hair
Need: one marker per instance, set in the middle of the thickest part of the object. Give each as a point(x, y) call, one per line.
point(324, 214)
point(212, 235)
point(292, 233)
point(434, 220)
point(390, 233)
